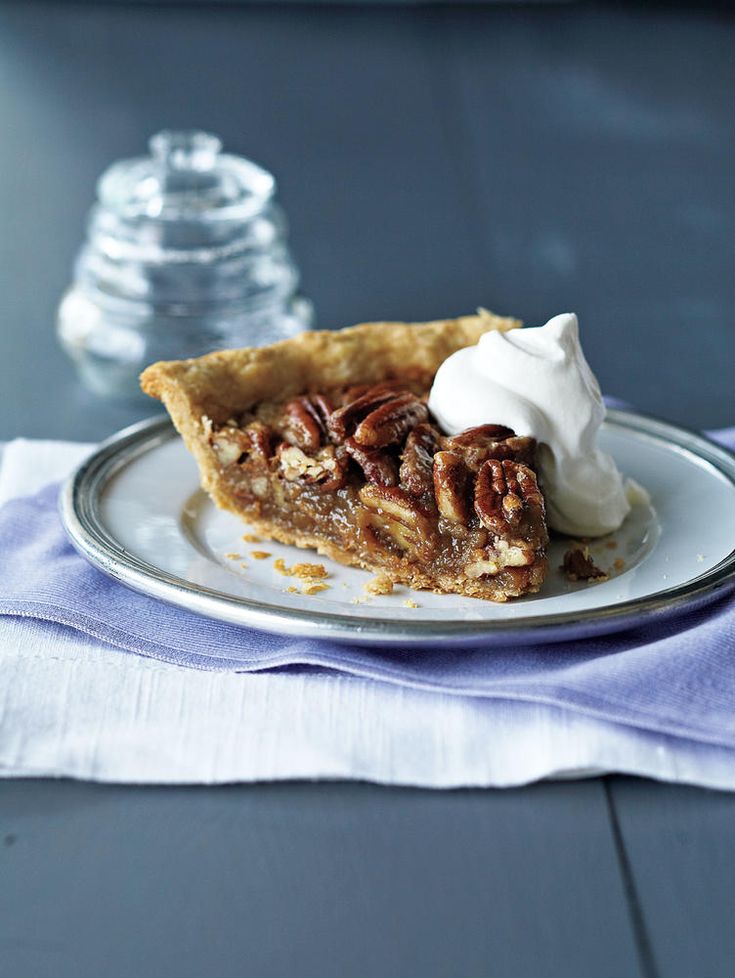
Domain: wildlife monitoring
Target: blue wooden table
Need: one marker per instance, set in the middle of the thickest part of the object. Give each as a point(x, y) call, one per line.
point(431, 159)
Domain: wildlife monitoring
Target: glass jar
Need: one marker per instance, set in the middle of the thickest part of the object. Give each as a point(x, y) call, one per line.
point(185, 253)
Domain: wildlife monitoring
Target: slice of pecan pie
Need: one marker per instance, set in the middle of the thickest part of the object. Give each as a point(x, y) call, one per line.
point(325, 441)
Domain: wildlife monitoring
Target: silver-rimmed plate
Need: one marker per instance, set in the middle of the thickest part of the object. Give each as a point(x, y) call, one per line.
point(135, 510)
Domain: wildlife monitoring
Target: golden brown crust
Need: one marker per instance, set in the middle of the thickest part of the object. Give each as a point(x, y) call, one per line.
point(227, 381)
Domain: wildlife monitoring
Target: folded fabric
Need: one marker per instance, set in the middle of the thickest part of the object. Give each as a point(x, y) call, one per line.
point(675, 678)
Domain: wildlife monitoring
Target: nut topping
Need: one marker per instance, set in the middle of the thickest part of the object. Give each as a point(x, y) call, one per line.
point(321, 407)
point(377, 465)
point(451, 487)
point(344, 420)
point(417, 460)
point(389, 423)
point(338, 476)
point(232, 444)
point(477, 445)
point(296, 464)
point(483, 434)
point(302, 425)
point(260, 440)
point(393, 514)
point(509, 503)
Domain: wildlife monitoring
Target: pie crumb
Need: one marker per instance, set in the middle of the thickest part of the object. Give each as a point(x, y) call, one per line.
point(233, 556)
point(612, 544)
point(381, 584)
point(307, 572)
point(251, 538)
point(313, 571)
point(409, 603)
point(579, 566)
point(260, 554)
point(619, 564)
point(314, 587)
point(292, 590)
point(244, 565)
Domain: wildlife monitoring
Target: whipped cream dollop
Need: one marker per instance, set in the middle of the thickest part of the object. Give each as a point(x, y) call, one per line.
point(537, 382)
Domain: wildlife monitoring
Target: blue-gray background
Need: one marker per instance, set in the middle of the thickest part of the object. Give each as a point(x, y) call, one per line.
point(532, 159)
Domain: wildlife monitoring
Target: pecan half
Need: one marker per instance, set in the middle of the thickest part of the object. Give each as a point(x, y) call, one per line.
point(417, 460)
point(389, 423)
point(509, 503)
point(338, 477)
point(321, 407)
point(377, 465)
point(294, 464)
point(234, 445)
point(357, 390)
point(260, 439)
point(345, 419)
point(482, 434)
point(477, 445)
point(452, 487)
point(302, 426)
point(392, 515)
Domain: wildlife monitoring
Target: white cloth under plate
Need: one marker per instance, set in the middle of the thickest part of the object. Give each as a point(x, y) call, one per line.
point(72, 707)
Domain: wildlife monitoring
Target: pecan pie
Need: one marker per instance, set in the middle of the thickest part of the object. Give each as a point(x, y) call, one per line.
point(326, 441)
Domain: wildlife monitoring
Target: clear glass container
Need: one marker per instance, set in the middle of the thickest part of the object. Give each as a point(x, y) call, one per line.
point(185, 253)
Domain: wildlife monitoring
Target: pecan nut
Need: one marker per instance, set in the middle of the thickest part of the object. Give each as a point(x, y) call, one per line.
point(452, 487)
point(417, 460)
point(295, 465)
point(338, 476)
point(302, 426)
point(483, 434)
point(344, 420)
point(260, 440)
point(389, 423)
point(233, 444)
point(393, 516)
point(377, 465)
point(477, 445)
point(509, 503)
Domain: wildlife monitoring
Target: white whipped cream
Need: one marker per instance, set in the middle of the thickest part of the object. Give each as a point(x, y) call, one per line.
point(537, 382)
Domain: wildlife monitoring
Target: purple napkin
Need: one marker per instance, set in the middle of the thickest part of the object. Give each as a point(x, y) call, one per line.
point(676, 677)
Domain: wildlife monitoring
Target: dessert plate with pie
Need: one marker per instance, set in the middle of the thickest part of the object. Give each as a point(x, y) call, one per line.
point(456, 482)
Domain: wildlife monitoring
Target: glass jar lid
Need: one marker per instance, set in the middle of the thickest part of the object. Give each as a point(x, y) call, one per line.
point(186, 178)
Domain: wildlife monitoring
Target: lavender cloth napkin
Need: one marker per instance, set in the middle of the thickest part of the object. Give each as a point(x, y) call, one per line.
point(675, 678)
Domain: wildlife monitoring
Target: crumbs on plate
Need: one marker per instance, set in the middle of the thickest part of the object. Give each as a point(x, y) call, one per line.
point(577, 565)
point(311, 574)
point(313, 587)
point(260, 554)
point(380, 584)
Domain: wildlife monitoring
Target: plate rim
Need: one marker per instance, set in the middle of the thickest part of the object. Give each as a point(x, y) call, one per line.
point(80, 515)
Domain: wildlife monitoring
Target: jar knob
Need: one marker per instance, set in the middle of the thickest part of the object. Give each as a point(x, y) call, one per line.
point(185, 149)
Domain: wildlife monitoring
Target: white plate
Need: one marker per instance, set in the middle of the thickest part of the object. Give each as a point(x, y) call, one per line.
point(135, 510)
